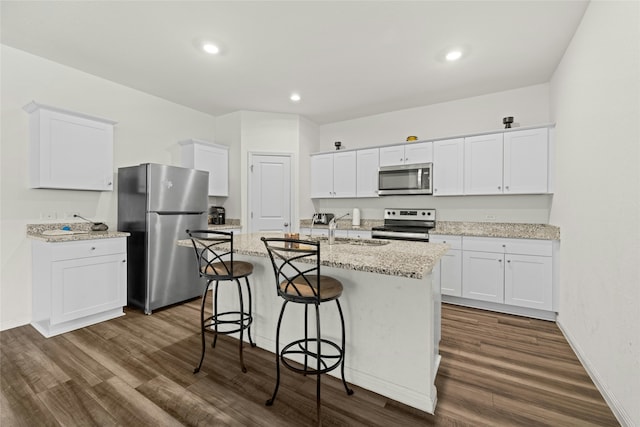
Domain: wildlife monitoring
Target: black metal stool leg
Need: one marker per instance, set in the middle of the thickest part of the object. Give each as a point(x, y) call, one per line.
point(241, 327)
point(344, 381)
point(275, 391)
point(246, 280)
point(306, 336)
point(204, 300)
point(318, 360)
point(215, 316)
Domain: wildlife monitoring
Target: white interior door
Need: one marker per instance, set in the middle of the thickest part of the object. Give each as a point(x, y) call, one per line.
point(269, 192)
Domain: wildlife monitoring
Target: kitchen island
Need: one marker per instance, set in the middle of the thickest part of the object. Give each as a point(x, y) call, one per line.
point(391, 308)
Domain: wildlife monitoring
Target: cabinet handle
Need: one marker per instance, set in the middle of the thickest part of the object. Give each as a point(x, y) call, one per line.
point(93, 248)
point(506, 188)
point(435, 190)
point(508, 260)
point(110, 183)
point(504, 246)
point(124, 260)
point(499, 188)
point(499, 260)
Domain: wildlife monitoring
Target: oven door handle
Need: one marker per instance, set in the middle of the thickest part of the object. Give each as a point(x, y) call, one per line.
point(393, 234)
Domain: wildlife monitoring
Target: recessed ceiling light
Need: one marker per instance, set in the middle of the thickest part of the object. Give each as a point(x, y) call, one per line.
point(295, 97)
point(210, 48)
point(453, 55)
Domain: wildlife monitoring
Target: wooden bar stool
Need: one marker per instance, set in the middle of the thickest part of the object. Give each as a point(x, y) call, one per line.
point(296, 264)
point(214, 256)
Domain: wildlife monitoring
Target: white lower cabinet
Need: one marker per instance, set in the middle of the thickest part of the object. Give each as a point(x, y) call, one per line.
point(507, 272)
point(483, 276)
point(528, 281)
point(77, 284)
point(450, 266)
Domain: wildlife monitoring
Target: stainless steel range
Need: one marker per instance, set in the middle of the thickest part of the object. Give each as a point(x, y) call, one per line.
point(406, 224)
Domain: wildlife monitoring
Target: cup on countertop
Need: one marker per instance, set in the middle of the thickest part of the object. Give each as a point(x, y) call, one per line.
point(291, 236)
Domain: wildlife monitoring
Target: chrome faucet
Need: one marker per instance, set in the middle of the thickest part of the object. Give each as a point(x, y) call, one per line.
point(333, 224)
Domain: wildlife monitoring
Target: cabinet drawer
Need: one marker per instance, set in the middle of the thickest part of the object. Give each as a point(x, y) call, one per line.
point(483, 244)
point(509, 246)
point(454, 241)
point(88, 248)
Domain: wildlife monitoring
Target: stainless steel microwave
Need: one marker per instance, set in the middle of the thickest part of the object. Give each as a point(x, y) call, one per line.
point(405, 179)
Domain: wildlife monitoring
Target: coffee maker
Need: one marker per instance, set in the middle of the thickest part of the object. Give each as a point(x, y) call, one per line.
point(216, 215)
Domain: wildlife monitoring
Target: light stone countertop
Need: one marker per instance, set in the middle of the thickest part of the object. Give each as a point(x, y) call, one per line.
point(390, 257)
point(345, 224)
point(510, 230)
point(497, 229)
point(34, 231)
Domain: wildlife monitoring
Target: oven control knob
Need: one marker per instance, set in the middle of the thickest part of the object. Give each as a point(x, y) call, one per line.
point(424, 213)
point(393, 212)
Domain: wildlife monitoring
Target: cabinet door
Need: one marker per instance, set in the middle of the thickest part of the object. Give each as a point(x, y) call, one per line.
point(528, 281)
point(483, 164)
point(367, 164)
point(421, 152)
point(392, 156)
point(451, 273)
point(322, 175)
point(483, 276)
point(215, 161)
point(86, 286)
point(344, 174)
point(448, 167)
point(72, 153)
point(526, 157)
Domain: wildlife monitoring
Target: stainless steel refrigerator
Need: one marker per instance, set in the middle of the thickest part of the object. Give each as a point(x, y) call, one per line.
point(157, 204)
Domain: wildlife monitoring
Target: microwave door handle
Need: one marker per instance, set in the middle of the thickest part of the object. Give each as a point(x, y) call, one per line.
point(419, 178)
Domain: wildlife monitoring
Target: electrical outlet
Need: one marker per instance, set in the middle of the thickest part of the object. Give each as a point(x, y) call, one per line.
point(490, 217)
point(48, 215)
point(70, 215)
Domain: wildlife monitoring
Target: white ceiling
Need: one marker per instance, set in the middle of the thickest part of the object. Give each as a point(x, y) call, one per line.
point(346, 58)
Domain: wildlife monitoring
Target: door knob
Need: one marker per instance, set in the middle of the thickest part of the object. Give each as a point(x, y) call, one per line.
point(286, 224)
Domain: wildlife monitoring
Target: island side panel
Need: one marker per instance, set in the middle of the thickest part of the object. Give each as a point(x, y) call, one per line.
point(392, 327)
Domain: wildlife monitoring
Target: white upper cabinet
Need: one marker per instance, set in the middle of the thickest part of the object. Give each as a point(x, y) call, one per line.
point(421, 152)
point(344, 174)
point(483, 164)
point(333, 175)
point(367, 164)
point(526, 155)
point(514, 162)
point(208, 157)
point(448, 167)
point(322, 176)
point(69, 150)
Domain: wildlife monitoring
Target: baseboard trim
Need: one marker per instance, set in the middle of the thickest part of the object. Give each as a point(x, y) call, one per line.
point(618, 411)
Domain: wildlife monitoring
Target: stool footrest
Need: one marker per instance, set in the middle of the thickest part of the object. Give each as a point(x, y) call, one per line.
point(241, 322)
point(302, 347)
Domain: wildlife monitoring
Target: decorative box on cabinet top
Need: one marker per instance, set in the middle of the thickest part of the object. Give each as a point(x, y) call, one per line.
point(69, 150)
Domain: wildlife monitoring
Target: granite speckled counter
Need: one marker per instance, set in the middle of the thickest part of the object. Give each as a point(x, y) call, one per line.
point(82, 231)
point(498, 229)
point(344, 224)
point(388, 257)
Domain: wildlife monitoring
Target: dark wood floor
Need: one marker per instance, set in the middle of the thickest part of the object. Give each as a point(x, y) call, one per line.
point(137, 370)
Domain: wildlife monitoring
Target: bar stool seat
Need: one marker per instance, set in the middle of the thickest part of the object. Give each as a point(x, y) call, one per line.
point(330, 288)
point(214, 257)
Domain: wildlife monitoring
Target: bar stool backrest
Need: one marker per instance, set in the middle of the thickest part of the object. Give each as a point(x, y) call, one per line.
point(292, 280)
point(213, 247)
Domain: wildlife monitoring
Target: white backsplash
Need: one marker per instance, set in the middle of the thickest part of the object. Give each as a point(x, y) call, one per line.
point(521, 209)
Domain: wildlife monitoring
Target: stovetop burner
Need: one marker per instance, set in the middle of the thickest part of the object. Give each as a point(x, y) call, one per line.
point(406, 224)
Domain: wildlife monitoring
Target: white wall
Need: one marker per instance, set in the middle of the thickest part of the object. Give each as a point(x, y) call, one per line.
point(595, 99)
point(529, 106)
point(260, 133)
point(148, 130)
